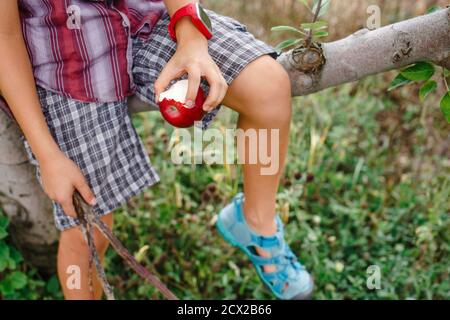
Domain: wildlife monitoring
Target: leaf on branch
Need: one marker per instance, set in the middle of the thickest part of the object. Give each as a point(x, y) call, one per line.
point(426, 89)
point(286, 28)
point(421, 71)
point(314, 26)
point(324, 7)
point(321, 34)
point(434, 9)
point(398, 82)
point(445, 106)
point(287, 43)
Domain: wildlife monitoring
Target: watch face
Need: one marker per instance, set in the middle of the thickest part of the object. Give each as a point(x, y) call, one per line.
point(204, 17)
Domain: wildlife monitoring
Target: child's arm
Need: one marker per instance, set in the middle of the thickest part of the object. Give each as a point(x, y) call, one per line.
point(192, 57)
point(60, 176)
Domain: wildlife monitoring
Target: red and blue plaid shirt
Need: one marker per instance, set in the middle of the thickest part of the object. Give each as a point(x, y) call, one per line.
point(82, 48)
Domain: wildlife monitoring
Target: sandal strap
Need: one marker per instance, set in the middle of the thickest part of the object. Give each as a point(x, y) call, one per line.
point(286, 279)
point(267, 242)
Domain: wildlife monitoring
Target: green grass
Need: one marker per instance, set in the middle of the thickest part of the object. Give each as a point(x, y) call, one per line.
point(372, 189)
point(353, 199)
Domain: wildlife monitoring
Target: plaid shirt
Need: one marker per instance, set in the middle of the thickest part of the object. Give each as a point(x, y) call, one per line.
point(81, 49)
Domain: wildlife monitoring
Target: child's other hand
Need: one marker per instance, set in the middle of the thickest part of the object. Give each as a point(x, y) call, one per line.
point(192, 57)
point(60, 178)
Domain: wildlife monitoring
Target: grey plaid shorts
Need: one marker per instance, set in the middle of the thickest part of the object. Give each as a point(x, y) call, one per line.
point(100, 138)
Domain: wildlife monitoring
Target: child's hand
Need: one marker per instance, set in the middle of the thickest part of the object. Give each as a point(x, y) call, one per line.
point(192, 57)
point(60, 178)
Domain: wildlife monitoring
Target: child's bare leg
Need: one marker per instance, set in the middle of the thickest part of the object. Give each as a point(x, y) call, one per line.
point(73, 251)
point(261, 95)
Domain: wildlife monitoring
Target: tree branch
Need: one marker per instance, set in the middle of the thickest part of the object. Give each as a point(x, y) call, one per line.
point(371, 52)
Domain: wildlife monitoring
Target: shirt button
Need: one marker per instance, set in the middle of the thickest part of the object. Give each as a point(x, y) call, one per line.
point(125, 24)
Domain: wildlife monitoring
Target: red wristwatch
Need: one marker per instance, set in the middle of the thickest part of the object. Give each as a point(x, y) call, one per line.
point(198, 16)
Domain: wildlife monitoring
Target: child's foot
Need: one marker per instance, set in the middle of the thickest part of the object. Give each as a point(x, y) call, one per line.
point(274, 261)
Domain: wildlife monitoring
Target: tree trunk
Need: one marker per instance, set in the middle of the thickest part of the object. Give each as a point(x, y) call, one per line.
point(23, 200)
point(359, 55)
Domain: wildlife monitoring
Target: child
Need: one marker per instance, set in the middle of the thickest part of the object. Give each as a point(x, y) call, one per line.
point(87, 57)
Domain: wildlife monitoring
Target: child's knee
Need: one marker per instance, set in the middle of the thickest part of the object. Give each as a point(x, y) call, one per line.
point(275, 96)
point(73, 239)
point(265, 92)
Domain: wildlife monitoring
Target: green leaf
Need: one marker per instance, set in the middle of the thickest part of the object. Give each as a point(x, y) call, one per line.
point(6, 287)
point(3, 265)
point(445, 106)
point(324, 7)
point(286, 28)
point(53, 285)
point(15, 255)
point(287, 43)
point(4, 256)
point(427, 88)
point(18, 279)
point(11, 264)
point(4, 222)
point(3, 233)
point(4, 251)
point(421, 71)
point(314, 26)
point(434, 9)
point(321, 34)
point(398, 82)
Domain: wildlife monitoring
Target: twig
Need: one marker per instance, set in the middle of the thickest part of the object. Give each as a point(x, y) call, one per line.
point(91, 265)
point(88, 238)
point(92, 220)
point(87, 231)
point(129, 258)
point(316, 16)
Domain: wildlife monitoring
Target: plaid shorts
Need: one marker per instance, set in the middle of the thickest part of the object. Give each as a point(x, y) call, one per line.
point(100, 138)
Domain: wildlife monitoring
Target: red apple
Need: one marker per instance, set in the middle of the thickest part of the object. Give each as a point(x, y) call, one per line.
point(173, 108)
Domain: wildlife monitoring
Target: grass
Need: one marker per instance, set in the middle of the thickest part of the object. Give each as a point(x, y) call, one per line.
point(371, 189)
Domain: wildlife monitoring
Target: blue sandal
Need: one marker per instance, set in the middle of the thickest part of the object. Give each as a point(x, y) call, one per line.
point(290, 281)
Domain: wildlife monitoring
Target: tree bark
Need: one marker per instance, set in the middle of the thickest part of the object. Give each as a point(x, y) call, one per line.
point(362, 54)
point(23, 200)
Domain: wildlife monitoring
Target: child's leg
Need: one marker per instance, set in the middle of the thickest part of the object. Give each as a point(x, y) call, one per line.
point(261, 94)
point(259, 90)
point(73, 251)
